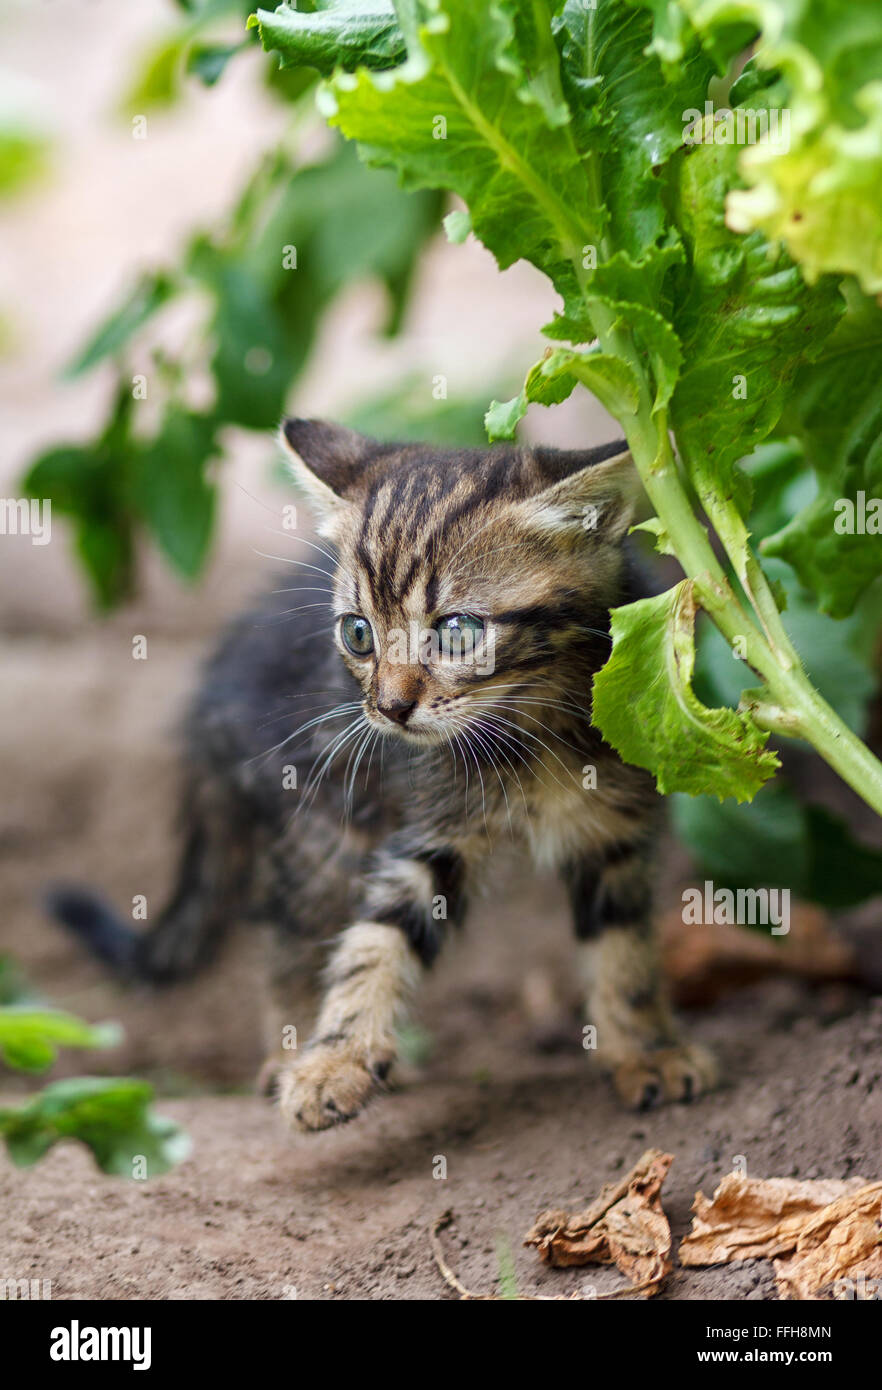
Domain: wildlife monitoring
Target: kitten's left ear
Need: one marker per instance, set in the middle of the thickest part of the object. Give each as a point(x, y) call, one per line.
point(590, 493)
point(327, 461)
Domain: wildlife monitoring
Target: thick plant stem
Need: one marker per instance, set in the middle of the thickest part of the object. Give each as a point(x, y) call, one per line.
point(802, 711)
point(729, 526)
point(793, 706)
point(821, 726)
point(760, 591)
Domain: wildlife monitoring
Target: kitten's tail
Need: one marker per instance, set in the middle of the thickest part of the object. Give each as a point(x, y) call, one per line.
point(186, 936)
point(96, 925)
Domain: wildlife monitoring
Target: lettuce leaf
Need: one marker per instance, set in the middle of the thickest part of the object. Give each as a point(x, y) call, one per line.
point(646, 707)
point(455, 116)
point(817, 187)
point(836, 410)
point(346, 36)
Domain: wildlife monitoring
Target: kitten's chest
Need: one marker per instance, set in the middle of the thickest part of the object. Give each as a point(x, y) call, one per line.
point(552, 809)
point(572, 807)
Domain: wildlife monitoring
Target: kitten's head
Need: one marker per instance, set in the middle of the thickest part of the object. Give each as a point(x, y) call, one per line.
point(468, 577)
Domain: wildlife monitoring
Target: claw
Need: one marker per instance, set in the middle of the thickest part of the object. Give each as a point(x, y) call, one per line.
point(328, 1086)
point(673, 1073)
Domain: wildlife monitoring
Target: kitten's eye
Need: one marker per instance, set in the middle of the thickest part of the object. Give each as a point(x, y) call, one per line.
point(460, 634)
point(357, 634)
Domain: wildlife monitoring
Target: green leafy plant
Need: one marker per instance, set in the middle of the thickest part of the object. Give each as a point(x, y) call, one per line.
point(714, 296)
point(112, 1116)
point(30, 1037)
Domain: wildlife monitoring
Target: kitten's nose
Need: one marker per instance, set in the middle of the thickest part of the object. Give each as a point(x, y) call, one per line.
point(399, 711)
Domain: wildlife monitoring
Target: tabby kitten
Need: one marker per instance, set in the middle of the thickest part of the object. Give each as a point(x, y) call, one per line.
point(347, 774)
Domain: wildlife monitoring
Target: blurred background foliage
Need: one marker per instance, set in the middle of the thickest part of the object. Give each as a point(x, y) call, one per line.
point(258, 287)
point(301, 231)
point(113, 1117)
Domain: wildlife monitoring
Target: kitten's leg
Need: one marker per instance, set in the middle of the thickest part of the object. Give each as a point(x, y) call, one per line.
point(411, 896)
point(637, 1036)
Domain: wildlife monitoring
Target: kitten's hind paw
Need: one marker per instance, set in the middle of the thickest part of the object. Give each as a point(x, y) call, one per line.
point(327, 1086)
point(672, 1073)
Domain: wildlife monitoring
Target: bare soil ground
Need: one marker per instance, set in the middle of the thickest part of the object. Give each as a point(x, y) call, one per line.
point(256, 1212)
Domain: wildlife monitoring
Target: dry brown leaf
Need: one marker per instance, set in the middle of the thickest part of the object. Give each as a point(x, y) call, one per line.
point(750, 1218)
point(625, 1226)
point(827, 1230)
point(843, 1242)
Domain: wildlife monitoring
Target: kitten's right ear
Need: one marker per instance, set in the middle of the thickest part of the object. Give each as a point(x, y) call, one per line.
point(327, 461)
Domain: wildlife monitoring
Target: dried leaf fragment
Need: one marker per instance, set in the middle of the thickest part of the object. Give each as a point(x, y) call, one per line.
point(750, 1218)
point(826, 1235)
point(625, 1226)
point(839, 1252)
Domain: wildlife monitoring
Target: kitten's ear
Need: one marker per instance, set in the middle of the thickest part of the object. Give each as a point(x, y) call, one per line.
point(590, 493)
point(327, 461)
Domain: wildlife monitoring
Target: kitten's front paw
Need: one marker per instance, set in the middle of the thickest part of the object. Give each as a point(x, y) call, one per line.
point(672, 1073)
point(328, 1086)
